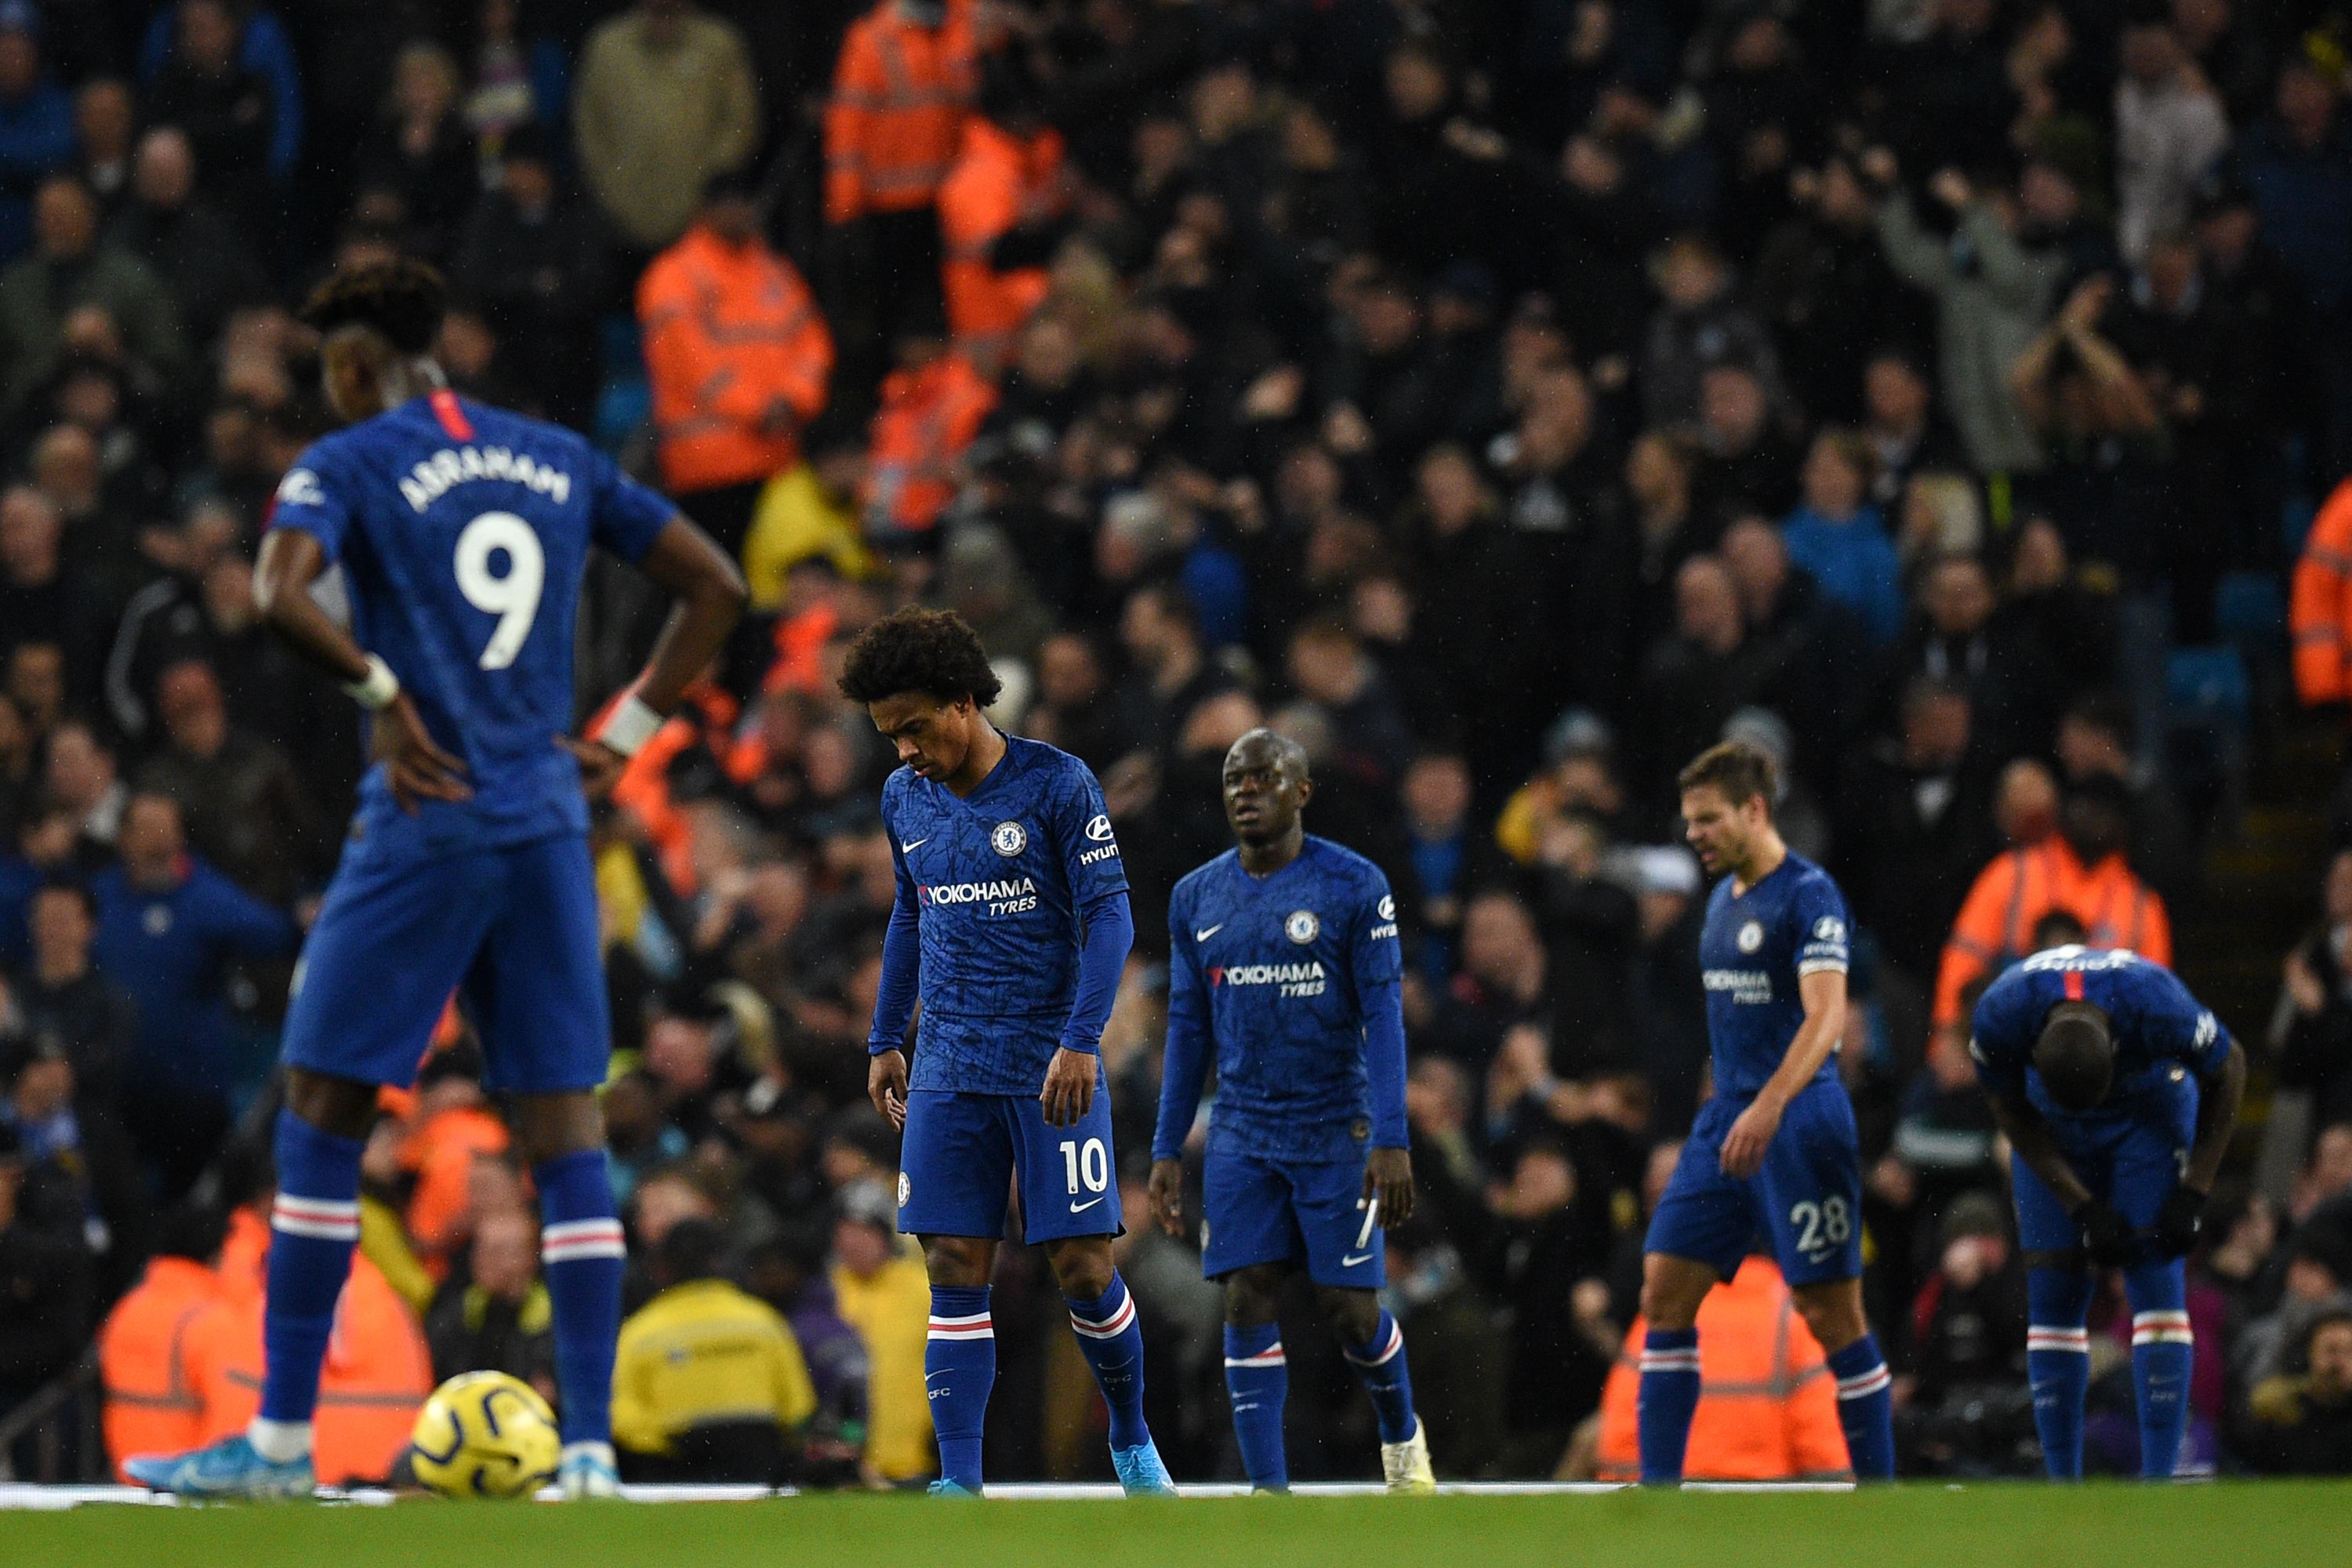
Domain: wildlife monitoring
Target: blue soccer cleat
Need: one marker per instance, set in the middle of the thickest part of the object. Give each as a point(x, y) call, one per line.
point(230, 1468)
point(1141, 1470)
point(948, 1489)
point(586, 1471)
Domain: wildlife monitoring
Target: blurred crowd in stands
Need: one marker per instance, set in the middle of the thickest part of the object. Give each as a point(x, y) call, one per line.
point(1505, 400)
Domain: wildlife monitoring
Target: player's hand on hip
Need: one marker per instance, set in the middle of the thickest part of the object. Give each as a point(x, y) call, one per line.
point(886, 1085)
point(2179, 1223)
point(600, 765)
point(415, 768)
point(1069, 1091)
point(1168, 1195)
point(2106, 1235)
point(1750, 1136)
point(1388, 1182)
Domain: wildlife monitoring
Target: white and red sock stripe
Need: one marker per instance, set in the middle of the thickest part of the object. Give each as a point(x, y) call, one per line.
point(1394, 1343)
point(323, 1219)
point(1670, 1360)
point(2161, 1329)
point(576, 1239)
point(1109, 1328)
point(1863, 1385)
point(1270, 1356)
point(2075, 1341)
point(978, 1326)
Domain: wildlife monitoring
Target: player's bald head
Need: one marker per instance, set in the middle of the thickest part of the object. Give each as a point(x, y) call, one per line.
point(2075, 1055)
point(1263, 747)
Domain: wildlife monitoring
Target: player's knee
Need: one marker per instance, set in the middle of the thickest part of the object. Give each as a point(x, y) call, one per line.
point(1671, 1296)
point(1081, 1265)
point(342, 1106)
point(553, 1126)
point(1253, 1295)
point(957, 1262)
point(1354, 1315)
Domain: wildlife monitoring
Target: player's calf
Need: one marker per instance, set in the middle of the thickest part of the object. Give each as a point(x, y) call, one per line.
point(2058, 1360)
point(314, 1224)
point(2163, 1351)
point(1257, 1372)
point(1865, 1389)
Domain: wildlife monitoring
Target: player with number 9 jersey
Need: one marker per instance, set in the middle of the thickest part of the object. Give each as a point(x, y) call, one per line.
point(462, 533)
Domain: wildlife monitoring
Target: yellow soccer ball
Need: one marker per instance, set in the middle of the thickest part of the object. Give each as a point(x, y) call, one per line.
point(486, 1434)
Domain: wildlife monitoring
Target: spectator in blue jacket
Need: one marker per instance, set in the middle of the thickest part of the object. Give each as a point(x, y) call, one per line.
point(1839, 539)
point(263, 48)
point(37, 128)
point(169, 926)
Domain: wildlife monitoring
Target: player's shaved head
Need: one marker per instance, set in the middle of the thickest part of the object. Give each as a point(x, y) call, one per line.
point(1265, 787)
point(2075, 1056)
point(1265, 746)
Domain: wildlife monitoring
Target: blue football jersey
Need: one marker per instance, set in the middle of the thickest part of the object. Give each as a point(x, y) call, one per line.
point(1752, 951)
point(998, 880)
point(2156, 1026)
point(462, 533)
point(1280, 973)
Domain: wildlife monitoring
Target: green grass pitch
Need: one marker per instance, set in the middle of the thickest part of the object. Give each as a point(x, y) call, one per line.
point(1922, 1526)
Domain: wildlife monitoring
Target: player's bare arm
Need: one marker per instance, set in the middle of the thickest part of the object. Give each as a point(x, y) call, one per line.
point(416, 767)
point(709, 594)
point(1824, 995)
point(1388, 1182)
point(2106, 1239)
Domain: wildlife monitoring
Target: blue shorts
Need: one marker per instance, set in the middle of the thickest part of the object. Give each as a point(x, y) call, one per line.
point(1257, 1210)
point(962, 1152)
point(511, 931)
point(2133, 1159)
point(1807, 1195)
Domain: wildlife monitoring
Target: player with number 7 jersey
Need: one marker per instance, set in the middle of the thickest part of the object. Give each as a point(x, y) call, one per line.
point(462, 533)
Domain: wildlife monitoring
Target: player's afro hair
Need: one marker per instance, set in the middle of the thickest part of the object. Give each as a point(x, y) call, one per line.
point(931, 651)
point(402, 300)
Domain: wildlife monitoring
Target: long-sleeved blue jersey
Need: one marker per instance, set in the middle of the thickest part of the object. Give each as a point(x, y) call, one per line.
point(2154, 1021)
point(1011, 902)
point(1293, 983)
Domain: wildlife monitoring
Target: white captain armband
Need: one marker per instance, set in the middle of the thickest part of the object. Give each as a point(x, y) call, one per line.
point(630, 725)
point(377, 689)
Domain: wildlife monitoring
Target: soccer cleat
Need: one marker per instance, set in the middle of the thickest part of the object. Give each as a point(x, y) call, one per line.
point(587, 1471)
point(1406, 1465)
point(1141, 1472)
point(948, 1489)
point(230, 1468)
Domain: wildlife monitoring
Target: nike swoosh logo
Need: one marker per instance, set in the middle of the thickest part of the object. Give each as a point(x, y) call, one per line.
point(1353, 1259)
point(910, 849)
point(1205, 935)
point(1081, 1208)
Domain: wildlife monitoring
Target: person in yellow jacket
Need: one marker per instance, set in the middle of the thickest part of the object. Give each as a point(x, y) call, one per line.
point(709, 1384)
point(880, 1290)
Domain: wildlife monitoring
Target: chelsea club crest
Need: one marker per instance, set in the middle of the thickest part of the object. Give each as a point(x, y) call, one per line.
point(1751, 936)
point(1009, 839)
point(1302, 927)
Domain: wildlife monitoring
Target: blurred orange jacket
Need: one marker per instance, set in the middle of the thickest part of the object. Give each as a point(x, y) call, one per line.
point(900, 92)
point(2009, 896)
point(999, 181)
point(1766, 1405)
point(149, 1359)
point(928, 416)
point(377, 1373)
point(733, 335)
point(2319, 609)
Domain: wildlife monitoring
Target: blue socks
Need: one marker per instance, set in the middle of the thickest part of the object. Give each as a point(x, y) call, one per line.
point(2163, 1351)
point(1380, 1368)
point(314, 1224)
point(1866, 1408)
point(581, 1249)
point(1668, 1399)
point(958, 1369)
point(1111, 1340)
point(1257, 1378)
point(2058, 1364)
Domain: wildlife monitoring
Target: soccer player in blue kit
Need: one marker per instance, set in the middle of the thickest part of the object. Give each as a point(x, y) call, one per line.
point(1285, 966)
point(1010, 927)
point(463, 531)
point(2117, 1093)
point(1775, 1149)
